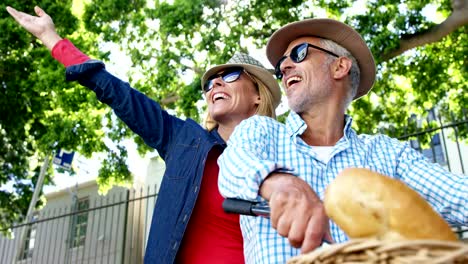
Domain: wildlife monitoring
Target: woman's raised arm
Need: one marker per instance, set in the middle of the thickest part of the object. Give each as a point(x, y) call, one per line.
point(40, 26)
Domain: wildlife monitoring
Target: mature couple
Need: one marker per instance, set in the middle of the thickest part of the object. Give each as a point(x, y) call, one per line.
point(324, 65)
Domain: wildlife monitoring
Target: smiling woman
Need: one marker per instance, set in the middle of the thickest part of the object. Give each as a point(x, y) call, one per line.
point(244, 67)
point(186, 222)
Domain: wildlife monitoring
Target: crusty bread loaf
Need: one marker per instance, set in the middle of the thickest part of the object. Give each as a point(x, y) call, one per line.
point(366, 204)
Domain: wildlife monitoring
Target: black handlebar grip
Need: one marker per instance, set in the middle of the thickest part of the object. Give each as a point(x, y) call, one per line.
point(243, 207)
point(237, 206)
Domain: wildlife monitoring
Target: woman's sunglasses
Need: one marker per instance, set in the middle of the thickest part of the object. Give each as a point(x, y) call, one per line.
point(229, 75)
point(297, 55)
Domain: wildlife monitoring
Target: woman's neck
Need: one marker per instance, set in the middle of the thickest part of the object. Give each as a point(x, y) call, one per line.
point(225, 130)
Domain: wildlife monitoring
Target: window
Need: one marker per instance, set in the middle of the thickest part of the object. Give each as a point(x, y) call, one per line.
point(79, 224)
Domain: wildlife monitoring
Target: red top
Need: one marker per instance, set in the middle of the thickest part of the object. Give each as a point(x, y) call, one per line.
point(212, 236)
point(67, 54)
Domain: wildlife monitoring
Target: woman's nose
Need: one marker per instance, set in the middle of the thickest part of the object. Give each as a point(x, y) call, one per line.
point(218, 81)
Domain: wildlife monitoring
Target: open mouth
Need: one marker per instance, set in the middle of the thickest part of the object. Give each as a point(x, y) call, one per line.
point(219, 96)
point(293, 80)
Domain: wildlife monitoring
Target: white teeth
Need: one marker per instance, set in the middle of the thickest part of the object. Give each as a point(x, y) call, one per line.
point(217, 96)
point(293, 79)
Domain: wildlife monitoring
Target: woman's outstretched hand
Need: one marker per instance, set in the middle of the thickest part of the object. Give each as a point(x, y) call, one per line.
point(40, 26)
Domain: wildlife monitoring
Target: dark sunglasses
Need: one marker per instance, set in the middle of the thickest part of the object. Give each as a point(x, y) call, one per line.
point(229, 75)
point(297, 55)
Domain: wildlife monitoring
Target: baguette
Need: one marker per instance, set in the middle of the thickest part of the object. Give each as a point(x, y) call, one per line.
point(366, 204)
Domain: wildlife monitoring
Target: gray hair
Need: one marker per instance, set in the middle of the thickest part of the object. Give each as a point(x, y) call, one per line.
point(354, 71)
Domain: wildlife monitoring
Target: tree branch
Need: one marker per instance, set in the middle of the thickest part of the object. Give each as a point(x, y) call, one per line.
point(458, 18)
point(169, 100)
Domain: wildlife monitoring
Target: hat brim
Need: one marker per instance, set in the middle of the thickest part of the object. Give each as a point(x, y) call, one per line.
point(264, 75)
point(330, 29)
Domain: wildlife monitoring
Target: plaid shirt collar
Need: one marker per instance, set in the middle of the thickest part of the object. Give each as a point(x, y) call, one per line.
point(295, 126)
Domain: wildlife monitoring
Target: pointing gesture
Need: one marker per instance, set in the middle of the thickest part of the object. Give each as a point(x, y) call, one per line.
point(40, 26)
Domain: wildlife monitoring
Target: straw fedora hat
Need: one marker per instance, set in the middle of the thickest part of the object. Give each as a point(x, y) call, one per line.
point(252, 66)
point(330, 29)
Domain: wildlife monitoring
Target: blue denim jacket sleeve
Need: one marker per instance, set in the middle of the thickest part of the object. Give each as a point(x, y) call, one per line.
point(183, 144)
point(142, 115)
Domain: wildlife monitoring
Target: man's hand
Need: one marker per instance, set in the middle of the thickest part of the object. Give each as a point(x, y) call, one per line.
point(296, 211)
point(40, 26)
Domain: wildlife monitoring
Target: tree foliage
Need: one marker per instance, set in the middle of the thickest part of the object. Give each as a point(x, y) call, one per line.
point(421, 65)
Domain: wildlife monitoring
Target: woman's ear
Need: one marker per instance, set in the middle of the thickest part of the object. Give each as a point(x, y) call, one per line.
point(258, 100)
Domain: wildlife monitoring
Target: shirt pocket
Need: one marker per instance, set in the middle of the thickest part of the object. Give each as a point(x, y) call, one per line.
point(183, 160)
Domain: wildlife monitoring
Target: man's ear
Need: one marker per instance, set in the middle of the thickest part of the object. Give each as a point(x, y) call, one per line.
point(342, 67)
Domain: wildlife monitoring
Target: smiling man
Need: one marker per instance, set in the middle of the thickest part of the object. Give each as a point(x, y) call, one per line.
point(324, 65)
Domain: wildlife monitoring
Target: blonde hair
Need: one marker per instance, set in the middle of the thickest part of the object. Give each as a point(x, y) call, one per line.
point(265, 108)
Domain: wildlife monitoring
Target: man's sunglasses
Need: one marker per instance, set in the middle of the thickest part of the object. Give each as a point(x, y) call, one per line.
point(297, 55)
point(229, 75)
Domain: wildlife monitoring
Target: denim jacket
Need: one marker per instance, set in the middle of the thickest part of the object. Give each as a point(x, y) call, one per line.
point(182, 144)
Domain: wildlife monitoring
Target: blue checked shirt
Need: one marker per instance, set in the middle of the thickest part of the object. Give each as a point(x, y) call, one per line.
point(261, 145)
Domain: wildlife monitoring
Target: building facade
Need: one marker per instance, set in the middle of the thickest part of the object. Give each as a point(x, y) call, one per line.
point(78, 225)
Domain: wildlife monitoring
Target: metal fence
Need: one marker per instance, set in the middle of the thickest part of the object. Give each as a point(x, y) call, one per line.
point(444, 142)
point(106, 229)
point(114, 228)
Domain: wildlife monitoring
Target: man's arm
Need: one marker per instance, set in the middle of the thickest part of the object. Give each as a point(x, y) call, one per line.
point(446, 192)
point(296, 211)
point(249, 158)
point(250, 170)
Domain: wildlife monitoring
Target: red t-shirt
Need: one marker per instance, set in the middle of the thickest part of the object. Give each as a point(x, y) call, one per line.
point(212, 236)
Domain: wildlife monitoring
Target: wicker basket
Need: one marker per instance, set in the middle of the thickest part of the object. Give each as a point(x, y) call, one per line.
point(373, 251)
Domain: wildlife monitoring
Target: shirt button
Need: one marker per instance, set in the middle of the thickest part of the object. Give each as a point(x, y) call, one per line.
point(185, 218)
point(195, 189)
point(174, 246)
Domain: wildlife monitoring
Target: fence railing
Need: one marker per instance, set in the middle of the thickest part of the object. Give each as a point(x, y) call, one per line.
point(445, 146)
point(114, 228)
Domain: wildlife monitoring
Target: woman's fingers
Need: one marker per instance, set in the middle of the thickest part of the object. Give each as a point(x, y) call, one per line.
point(13, 12)
point(39, 11)
point(22, 18)
point(40, 26)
